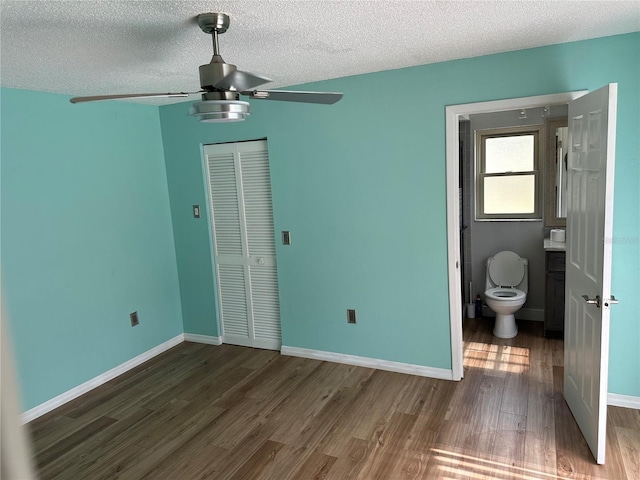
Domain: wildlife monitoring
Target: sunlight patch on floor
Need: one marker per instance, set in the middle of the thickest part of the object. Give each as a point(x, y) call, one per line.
point(501, 358)
point(466, 466)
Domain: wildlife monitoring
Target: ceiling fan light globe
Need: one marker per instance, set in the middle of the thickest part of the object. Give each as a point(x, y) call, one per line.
point(220, 111)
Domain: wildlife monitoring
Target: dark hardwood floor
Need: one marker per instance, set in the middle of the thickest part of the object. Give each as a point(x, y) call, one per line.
point(226, 412)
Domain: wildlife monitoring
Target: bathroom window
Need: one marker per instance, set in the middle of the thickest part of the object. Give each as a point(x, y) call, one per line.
point(508, 173)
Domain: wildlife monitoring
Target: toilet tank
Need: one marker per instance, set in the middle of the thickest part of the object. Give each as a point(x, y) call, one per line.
point(524, 283)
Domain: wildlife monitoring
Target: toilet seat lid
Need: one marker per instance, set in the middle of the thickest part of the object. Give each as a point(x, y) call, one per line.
point(506, 269)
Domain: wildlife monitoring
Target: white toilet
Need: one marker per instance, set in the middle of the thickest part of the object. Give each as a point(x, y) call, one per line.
point(506, 290)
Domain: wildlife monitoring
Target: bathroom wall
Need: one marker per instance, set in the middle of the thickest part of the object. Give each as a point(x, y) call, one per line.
point(526, 237)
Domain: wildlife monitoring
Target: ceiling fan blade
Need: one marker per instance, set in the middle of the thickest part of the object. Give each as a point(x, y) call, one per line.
point(327, 98)
point(241, 81)
point(130, 95)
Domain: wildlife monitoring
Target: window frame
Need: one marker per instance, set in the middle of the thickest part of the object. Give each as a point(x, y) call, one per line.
point(480, 163)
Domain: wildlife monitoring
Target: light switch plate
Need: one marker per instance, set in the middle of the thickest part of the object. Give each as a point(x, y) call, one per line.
point(286, 237)
point(196, 211)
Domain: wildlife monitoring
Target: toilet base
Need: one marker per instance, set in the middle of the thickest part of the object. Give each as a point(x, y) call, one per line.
point(505, 326)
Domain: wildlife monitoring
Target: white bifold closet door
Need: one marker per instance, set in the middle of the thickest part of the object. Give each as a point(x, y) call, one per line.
point(244, 243)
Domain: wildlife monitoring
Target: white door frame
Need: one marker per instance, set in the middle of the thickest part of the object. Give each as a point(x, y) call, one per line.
point(452, 117)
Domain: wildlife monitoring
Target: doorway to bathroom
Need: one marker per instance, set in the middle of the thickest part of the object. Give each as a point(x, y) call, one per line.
point(476, 241)
point(502, 177)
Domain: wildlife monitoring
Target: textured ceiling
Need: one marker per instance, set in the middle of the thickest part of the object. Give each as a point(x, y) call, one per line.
point(96, 47)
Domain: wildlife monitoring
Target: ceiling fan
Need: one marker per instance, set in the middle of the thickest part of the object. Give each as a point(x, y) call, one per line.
point(222, 84)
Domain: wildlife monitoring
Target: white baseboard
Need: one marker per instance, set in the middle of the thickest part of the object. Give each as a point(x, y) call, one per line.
point(411, 369)
point(197, 338)
point(626, 401)
point(75, 392)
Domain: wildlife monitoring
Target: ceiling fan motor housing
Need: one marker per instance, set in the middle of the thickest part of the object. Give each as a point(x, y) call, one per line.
point(213, 72)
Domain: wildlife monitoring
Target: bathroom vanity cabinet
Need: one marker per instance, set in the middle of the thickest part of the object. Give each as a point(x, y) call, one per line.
point(554, 293)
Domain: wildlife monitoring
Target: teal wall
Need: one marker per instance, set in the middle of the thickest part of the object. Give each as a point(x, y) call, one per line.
point(361, 186)
point(86, 238)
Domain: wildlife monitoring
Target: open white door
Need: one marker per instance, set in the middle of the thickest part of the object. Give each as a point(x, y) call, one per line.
point(592, 127)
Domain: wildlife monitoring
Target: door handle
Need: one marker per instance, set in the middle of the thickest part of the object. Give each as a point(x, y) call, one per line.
point(592, 301)
point(612, 301)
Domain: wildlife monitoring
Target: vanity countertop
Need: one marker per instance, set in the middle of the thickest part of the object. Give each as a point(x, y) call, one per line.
point(550, 246)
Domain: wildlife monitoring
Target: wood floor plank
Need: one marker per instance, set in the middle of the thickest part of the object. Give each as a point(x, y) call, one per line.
point(624, 417)
point(358, 376)
point(73, 440)
point(122, 449)
point(241, 417)
point(226, 412)
point(287, 373)
point(541, 360)
point(50, 431)
point(411, 465)
point(73, 461)
point(422, 436)
point(416, 395)
point(162, 442)
point(351, 459)
point(614, 462)
point(252, 469)
point(540, 438)
point(629, 448)
point(435, 402)
point(317, 428)
point(388, 445)
point(289, 459)
point(191, 457)
point(316, 467)
point(309, 398)
point(462, 403)
point(219, 467)
point(256, 359)
point(370, 408)
point(510, 439)
point(515, 396)
point(281, 371)
point(213, 384)
point(484, 425)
